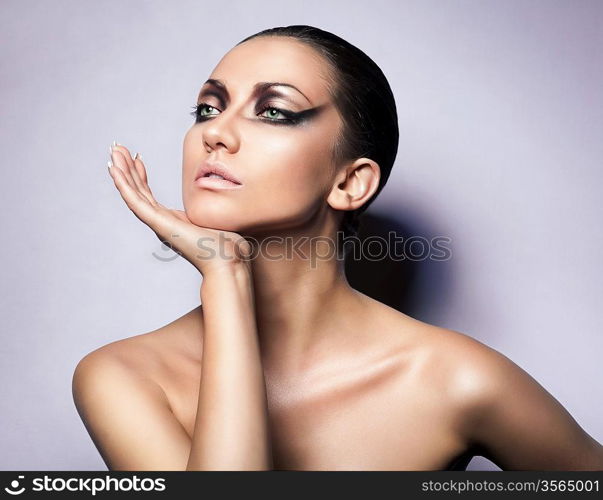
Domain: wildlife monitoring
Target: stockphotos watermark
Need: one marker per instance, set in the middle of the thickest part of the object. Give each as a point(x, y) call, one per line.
point(321, 248)
point(91, 485)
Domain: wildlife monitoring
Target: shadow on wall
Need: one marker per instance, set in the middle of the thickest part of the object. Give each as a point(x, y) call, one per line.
point(418, 285)
point(411, 275)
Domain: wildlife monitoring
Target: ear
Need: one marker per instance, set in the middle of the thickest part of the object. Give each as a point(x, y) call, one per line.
point(354, 184)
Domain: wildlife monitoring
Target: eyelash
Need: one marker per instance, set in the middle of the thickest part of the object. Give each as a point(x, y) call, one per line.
point(289, 120)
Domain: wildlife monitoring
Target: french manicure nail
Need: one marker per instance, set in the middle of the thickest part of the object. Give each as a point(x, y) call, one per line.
point(114, 143)
point(109, 164)
point(135, 156)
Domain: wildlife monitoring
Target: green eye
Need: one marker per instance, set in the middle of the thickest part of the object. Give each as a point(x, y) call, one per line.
point(275, 116)
point(272, 112)
point(204, 106)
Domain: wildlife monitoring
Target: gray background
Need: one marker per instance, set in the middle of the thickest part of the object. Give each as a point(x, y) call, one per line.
point(501, 122)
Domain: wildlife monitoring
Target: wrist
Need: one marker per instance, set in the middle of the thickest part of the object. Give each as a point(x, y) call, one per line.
point(237, 271)
point(234, 268)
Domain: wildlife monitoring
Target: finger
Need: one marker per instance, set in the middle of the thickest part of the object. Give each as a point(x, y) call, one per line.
point(135, 201)
point(142, 176)
point(119, 160)
point(115, 146)
point(124, 151)
point(137, 172)
point(157, 217)
point(140, 167)
point(133, 171)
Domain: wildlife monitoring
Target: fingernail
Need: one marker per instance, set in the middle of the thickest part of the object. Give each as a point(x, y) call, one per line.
point(109, 164)
point(114, 143)
point(110, 149)
point(135, 156)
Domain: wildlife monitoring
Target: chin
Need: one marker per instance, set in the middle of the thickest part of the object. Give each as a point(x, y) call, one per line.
point(202, 218)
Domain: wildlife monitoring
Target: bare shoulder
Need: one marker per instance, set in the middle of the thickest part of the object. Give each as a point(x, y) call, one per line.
point(462, 371)
point(476, 374)
point(468, 370)
point(149, 352)
point(148, 359)
point(109, 369)
point(119, 396)
point(459, 357)
point(503, 413)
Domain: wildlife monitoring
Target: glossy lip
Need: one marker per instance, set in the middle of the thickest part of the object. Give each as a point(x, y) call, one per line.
point(215, 183)
point(218, 168)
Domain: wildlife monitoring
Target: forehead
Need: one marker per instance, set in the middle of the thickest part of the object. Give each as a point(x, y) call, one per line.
point(274, 59)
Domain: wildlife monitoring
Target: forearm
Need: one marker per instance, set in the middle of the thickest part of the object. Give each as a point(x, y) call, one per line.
point(231, 428)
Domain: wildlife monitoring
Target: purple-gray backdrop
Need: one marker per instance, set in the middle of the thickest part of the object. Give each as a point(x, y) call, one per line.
point(501, 120)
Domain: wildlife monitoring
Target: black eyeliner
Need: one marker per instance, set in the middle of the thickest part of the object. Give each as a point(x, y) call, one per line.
point(302, 116)
point(291, 117)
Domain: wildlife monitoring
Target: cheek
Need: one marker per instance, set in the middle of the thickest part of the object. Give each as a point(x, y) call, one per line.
point(287, 176)
point(293, 164)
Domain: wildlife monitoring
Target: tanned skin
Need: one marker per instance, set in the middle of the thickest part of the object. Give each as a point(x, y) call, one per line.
point(283, 365)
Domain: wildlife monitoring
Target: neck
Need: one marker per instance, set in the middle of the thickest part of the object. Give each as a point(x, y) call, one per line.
point(303, 302)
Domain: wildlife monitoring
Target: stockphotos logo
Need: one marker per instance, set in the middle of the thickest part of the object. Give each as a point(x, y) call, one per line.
point(89, 484)
point(15, 485)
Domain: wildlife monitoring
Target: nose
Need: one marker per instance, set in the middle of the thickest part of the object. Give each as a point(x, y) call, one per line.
point(219, 132)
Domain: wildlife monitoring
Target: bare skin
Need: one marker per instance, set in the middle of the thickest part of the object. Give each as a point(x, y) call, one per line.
point(413, 406)
point(352, 411)
point(285, 366)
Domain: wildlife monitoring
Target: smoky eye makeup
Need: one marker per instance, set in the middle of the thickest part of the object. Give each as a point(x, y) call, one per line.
point(210, 92)
point(289, 118)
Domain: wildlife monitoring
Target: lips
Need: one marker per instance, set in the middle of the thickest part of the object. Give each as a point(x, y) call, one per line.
point(215, 167)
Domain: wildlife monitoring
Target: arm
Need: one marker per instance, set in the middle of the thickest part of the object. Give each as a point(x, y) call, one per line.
point(129, 417)
point(231, 430)
point(514, 422)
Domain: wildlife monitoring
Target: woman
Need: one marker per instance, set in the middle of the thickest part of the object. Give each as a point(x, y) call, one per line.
point(285, 365)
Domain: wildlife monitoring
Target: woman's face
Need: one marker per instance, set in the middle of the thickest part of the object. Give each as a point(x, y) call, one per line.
point(285, 167)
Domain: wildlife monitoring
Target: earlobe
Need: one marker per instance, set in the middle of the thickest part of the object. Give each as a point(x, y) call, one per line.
point(355, 185)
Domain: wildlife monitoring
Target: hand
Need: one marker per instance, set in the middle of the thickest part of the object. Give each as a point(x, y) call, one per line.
point(206, 249)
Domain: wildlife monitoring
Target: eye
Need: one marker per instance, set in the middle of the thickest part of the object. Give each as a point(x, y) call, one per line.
point(275, 111)
point(199, 112)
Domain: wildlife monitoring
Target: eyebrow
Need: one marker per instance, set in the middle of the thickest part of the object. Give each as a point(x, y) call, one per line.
point(258, 88)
